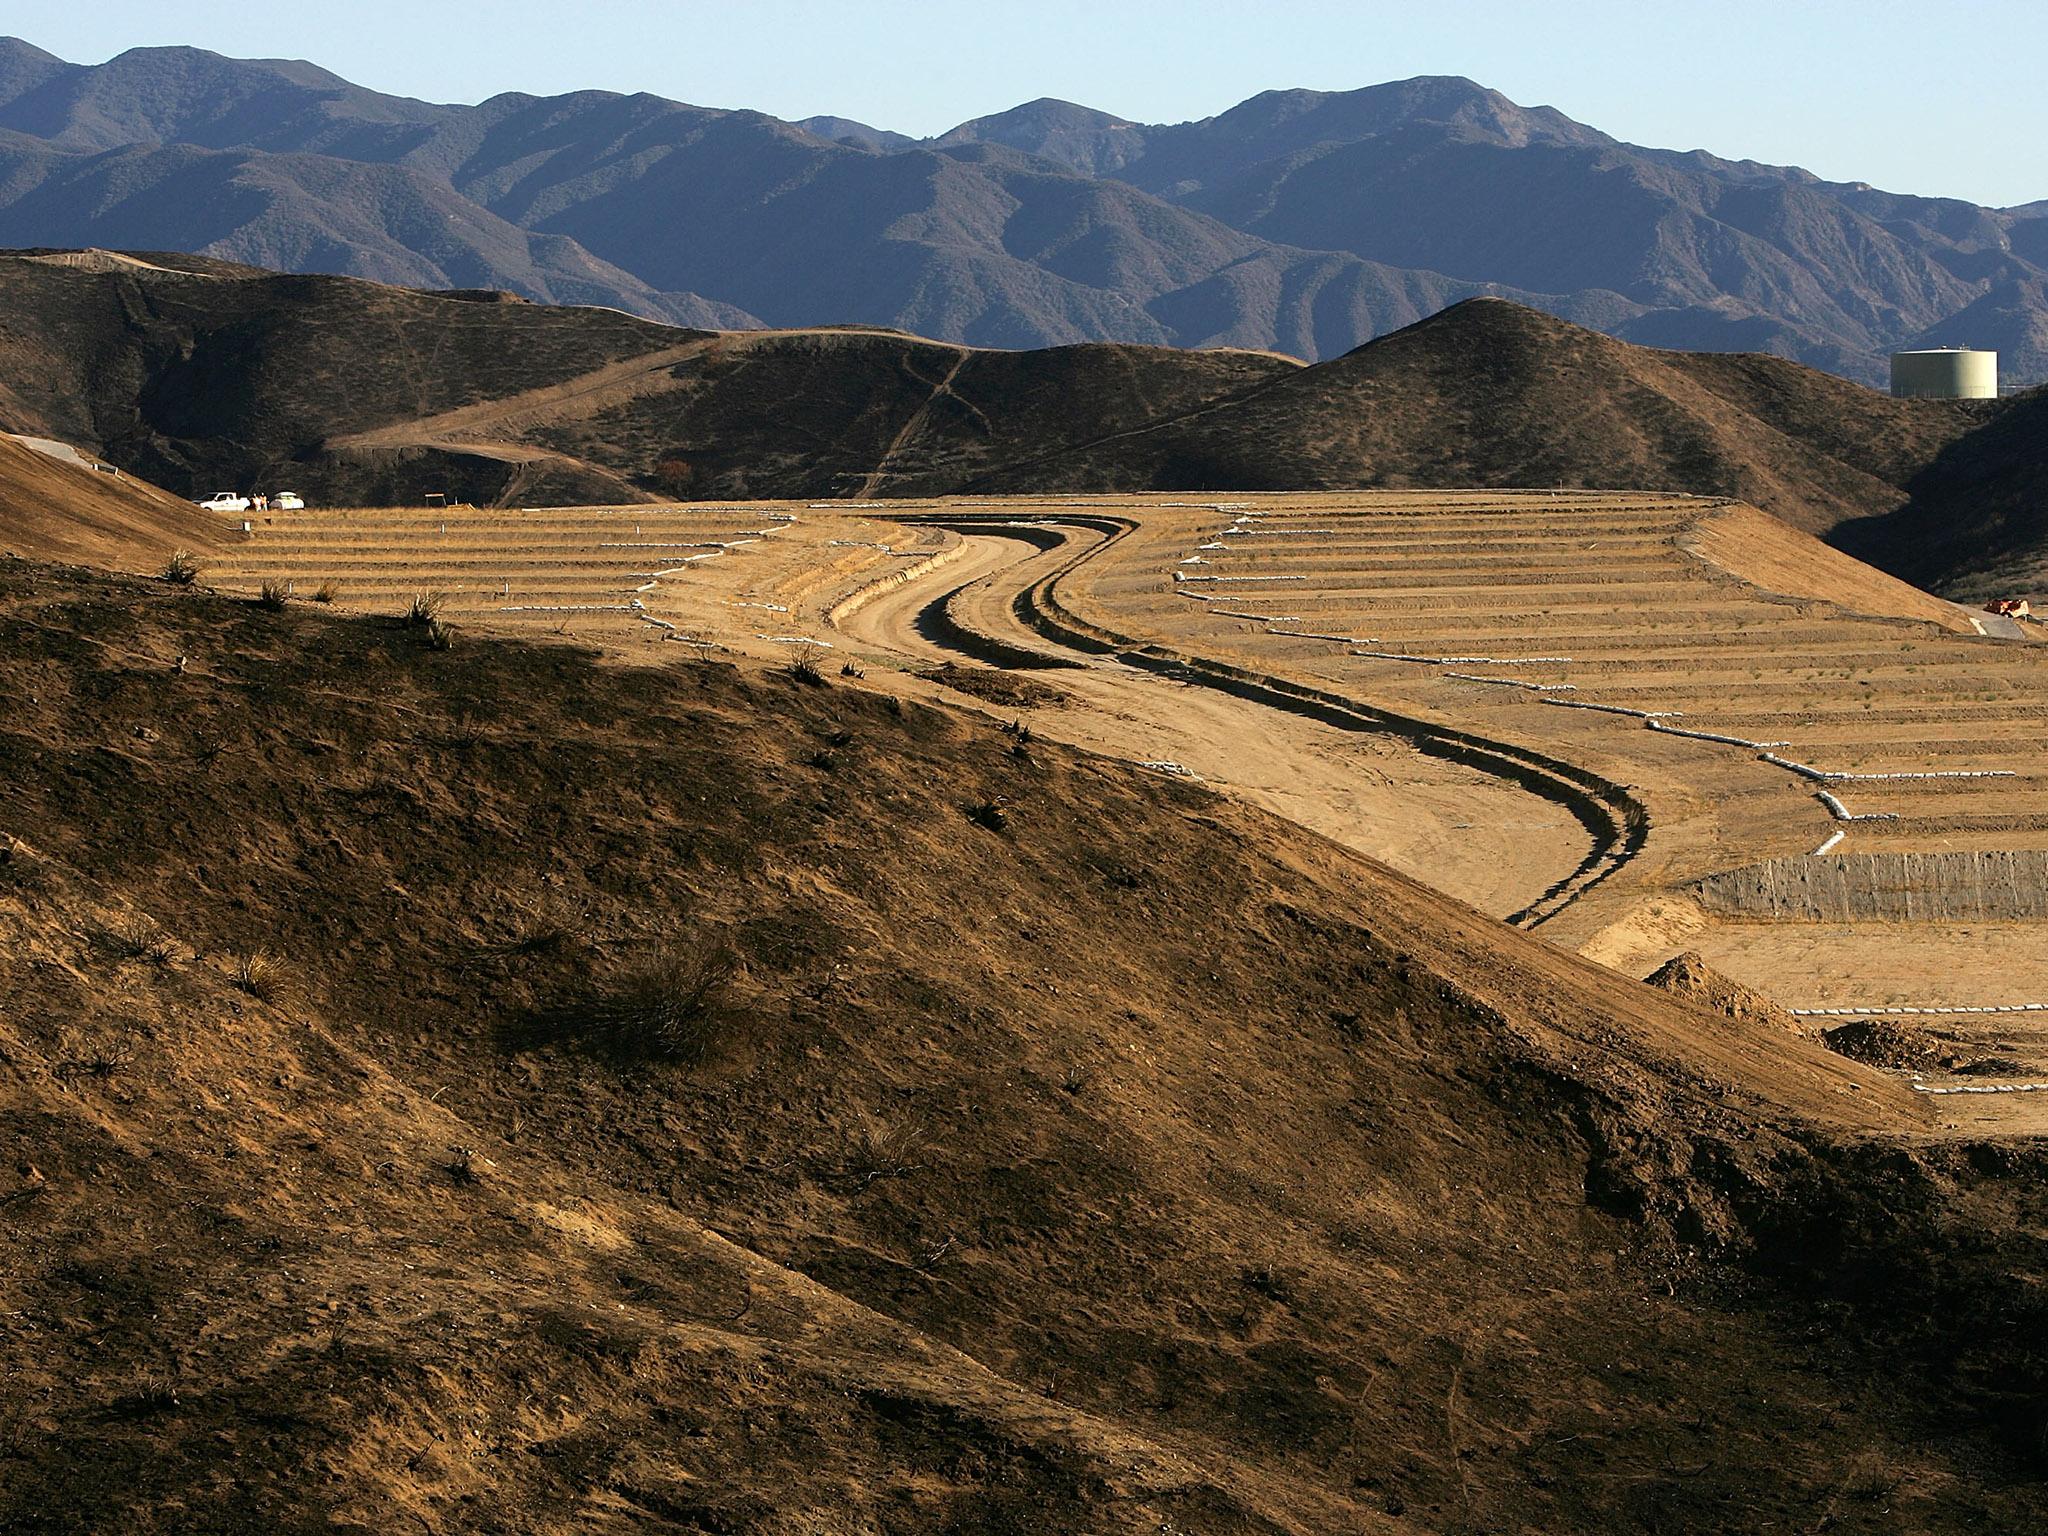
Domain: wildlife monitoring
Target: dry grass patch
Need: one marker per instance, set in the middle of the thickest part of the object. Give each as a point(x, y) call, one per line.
point(674, 1006)
point(425, 609)
point(262, 976)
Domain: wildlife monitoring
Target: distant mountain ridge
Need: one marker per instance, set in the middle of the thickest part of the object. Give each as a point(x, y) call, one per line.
point(1301, 221)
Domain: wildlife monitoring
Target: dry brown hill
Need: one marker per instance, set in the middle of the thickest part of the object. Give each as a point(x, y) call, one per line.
point(51, 509)
point(361, 393)
point(482, 1088)
point(1978, 522)
point(357, 393)
point(1490, 393)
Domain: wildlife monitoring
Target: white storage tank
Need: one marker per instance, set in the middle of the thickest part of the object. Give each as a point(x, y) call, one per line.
point(1945, 373)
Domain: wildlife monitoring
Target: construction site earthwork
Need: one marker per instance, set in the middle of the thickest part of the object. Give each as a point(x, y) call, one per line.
point(1640, 726)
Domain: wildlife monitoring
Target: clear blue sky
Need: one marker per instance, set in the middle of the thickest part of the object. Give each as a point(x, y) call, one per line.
point(1936, 96)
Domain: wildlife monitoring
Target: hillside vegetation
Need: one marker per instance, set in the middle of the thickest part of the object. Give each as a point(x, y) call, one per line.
point(479, 1086)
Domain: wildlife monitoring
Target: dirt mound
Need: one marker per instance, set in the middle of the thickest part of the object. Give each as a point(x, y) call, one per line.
point(1890, 1044)
point(55, 509)
point(1006, 689)
point(442, 1079)
point(1690, 976)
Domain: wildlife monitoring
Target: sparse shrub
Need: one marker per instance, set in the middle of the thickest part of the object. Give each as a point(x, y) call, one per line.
point(100, 1061)
point(990, 814)
point(671, 1006)
point(264, 977)
point(324, 593)
point(467, 731)
point(540, 931)
point(466, 1165)
point(882, 1149)
point(155, 1394)
point(1869, 1479)
point(273, 595)
point(803, 667)
point(425, 608)
point(181, 570)
point(139, 939)
point(850, 670)
point(673, 474)
point(439, 635)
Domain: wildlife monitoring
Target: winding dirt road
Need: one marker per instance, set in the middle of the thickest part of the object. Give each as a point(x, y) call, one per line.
point(1465, 832)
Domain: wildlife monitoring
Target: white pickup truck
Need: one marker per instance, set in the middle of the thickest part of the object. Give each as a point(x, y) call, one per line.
point(226, 501)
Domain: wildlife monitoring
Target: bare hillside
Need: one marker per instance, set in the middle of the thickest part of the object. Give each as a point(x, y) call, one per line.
point(53, 509)
point(1490, 393)
point(200, 374)
point(477, 1086)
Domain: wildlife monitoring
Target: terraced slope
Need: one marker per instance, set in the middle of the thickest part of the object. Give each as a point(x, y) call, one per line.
point(1780, 741)
point(600, 571)
point(1800, 761)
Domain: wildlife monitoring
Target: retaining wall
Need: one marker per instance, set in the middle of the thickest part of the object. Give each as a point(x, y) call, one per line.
point(1976, 885)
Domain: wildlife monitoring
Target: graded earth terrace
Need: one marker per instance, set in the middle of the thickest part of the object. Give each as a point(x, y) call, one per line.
point(1637, 724)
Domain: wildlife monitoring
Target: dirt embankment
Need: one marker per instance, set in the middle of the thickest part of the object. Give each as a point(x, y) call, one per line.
point(54, 509)
point(483, 1086)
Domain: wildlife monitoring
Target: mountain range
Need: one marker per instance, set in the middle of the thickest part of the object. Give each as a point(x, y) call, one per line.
point(1299, 221)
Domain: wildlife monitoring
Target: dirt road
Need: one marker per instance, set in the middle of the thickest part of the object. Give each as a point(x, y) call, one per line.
point(1462, 831)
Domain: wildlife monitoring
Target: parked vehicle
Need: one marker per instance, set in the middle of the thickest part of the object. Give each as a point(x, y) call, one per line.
point(225, 501)
point(287, 501)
